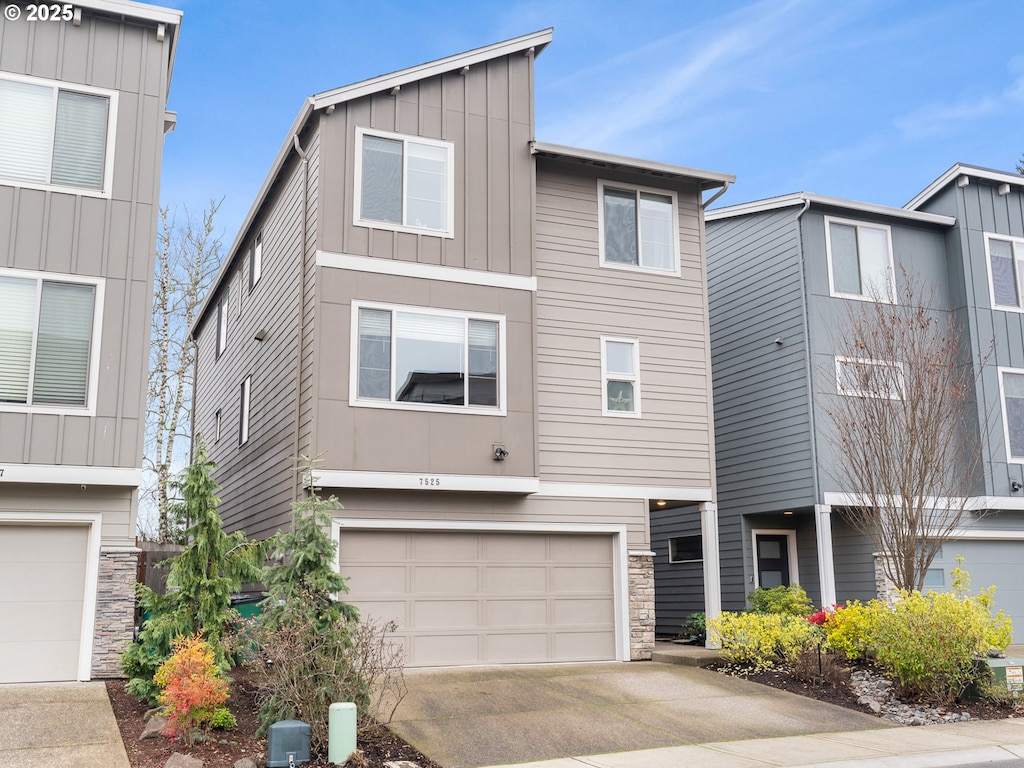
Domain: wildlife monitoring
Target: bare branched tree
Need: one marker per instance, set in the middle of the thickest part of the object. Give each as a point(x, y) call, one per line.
point(905, 428)
point(188, 257)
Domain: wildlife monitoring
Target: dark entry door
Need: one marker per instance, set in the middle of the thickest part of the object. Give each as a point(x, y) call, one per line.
point(772, 559)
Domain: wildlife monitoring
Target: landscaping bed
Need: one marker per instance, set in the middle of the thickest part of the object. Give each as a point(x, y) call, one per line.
point(223, 748)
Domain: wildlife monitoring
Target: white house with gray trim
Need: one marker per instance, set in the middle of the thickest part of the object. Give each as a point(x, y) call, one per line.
point(498, 348)
point(82, 120)
point(776, 284)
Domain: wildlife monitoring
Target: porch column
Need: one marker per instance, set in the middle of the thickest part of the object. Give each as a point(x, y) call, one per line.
point(712, 567)
point(826, 562)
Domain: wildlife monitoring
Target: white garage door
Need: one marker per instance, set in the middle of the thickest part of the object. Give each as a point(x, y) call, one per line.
point(991, 562)
point(486, 598)
point(42, 587)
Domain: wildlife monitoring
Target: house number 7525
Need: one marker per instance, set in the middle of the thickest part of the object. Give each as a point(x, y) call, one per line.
point(434, 481)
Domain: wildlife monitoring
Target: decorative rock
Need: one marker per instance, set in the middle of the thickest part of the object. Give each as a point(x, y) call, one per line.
point(401, 764)
point(245, 762)
point(876, 693)
point(151, 712)
point(154, 727)
point(178, 760)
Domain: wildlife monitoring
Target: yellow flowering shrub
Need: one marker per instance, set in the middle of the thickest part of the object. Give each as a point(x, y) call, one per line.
point(763, 640)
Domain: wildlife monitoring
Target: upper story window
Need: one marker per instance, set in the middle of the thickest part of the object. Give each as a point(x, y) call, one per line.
point(638, 228)
point(405, 183)
point(256, 261)
point(55, 135)
point(1011, 387)
point(427, 359)
point(222, 324)
point(620, 373)
point(1006, 270)
point(244, 394)
point(860, 377)
point(49, 341)
point(860, 260)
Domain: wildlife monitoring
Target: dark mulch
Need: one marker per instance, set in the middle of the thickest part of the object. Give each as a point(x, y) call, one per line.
point(225, 747)
point(841, 694)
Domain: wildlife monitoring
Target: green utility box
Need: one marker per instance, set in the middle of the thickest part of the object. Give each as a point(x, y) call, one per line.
point(248, 605)
point(1008, 674)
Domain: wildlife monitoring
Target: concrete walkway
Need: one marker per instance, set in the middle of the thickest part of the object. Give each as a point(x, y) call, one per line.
point(58, 724)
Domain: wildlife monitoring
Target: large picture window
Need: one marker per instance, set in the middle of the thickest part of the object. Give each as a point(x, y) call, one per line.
point(860, 262)
point(405, 183)
point(420, 358)
point(1006, 270)
point(48, 341)
point(638, 228)
point(54, 136)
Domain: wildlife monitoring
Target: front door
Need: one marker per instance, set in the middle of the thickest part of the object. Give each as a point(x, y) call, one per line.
point(771, 559)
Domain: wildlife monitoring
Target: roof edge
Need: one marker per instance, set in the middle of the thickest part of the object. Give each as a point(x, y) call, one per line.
point(962, 169)
point(717, 179)
point(146, 11)
point(801, 198)
point(536, 41)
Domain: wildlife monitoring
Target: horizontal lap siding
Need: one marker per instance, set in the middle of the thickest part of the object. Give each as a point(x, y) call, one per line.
point(678, 587)
point(114, 504)
point(577, 303)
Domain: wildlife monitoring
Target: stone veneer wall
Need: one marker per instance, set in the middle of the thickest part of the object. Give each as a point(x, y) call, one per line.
point(115, 609)
point(641, 605)
point(884, 587)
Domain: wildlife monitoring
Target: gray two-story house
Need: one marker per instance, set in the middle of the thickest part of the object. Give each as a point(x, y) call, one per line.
point(496, 348)
point(83, 91)
point(782, 275)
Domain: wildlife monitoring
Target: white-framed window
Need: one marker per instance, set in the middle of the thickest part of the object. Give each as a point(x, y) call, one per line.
point(1005, 261)
point(241, 288)
point(405, 183)
point(49, 341)
point(256, 261)
point(638, 227)
point(427, 359)
point(243, 410)
point(860, 264)
point(685, 549)
point(56, 135)
point(222, 324)
point(1011, 394)
point(620, 377)
point(861, 377)
point(217, 421)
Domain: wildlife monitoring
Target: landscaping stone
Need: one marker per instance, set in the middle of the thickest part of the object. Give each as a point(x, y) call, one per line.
point(178, 760)
point(151, 712)
point(245, 762)
point(401, 764)
point(154, 727)
point(876, 693)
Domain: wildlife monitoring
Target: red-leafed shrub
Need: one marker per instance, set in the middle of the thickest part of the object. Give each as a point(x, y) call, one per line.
point(192, 689)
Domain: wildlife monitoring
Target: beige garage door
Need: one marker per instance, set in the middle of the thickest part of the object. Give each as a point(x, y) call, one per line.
point(486, 598)
point(42, 586)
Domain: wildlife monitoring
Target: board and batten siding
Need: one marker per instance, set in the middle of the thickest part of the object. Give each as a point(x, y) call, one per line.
point(258, 480)
point(111, 238)
point(487, 114)
point(578, 301)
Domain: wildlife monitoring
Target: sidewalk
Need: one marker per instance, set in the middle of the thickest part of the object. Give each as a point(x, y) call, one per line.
point(924, 747)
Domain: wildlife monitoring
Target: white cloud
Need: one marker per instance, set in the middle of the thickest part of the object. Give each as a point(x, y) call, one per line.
point(943, 119)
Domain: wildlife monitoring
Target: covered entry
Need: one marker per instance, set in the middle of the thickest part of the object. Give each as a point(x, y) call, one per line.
point(42, 594)
point(464, 597)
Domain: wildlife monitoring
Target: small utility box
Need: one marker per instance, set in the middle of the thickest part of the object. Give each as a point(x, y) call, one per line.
point(287, 744)
point(1004, 675)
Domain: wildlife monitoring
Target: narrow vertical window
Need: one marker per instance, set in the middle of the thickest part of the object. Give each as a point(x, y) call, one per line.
point(256, 261)
point(216, 425)
point(241, 288)
point(1012, 386)
point(620, 366)
point(1006, 270)
point(243, 412)
point(222, 325)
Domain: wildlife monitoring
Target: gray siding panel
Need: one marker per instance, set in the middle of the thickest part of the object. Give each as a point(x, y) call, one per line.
point(852, 554)
point(678, 587)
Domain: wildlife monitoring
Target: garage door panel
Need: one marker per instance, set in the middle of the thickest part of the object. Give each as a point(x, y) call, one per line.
point(39, 661)
point(999, 563)
point(444, 650)
point(54, 620)
point(445, 614)
point(444, 547)
point(384, 610)
point(587, 646)
point(511, 580)
point(582, 612)
point(376, 579)
point(448, 579)
point(516, 647)
point(581, 579)
point(43, 543)
point(516, 613)
point(581, 549)
point(385, 545)
point(516, 548)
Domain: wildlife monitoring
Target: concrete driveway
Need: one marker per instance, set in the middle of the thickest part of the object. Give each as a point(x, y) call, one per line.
point(59, 724)
point(468, 718)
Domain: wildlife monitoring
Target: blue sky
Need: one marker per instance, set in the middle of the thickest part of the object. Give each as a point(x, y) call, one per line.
point(867, 100)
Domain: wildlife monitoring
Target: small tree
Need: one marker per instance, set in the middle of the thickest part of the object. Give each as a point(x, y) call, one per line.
point(203, 577)
point(904, 428)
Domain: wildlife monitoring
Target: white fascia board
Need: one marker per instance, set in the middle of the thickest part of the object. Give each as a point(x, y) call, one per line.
point(602, 491)
point(999, 177)
point(718, 179)
point(535, 40)
point(243, 231)
point(70, 475)
point(800, 198)
point(425, 271)
point(971, 504)
point(424, 481)
point(134, 10)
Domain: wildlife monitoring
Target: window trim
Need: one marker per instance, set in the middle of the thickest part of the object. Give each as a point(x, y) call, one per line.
point(697, 536)
point(1003, 370)
point(605, 377)
point(670, 193)
point(791, 548)
point(256, 261)
point(222, 325)
point(1015, 243)
point(92, 386)
point(105, 190)
point(357, 210)
point(480, 410)
point(244, 403)
point(829, 220)
point(840, 390)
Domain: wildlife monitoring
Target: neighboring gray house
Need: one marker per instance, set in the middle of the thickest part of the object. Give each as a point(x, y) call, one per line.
point(774, 293)
point(82, 121)
point(498, 348)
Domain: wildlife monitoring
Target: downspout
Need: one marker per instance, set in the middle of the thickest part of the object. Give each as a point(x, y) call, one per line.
point(718, 194)
point(301, 334)
point(807, 345)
